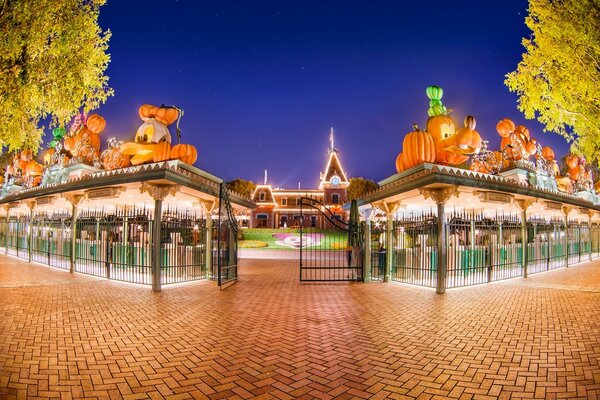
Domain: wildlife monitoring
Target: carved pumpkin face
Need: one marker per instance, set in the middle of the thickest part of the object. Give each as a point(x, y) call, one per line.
point(468, 140)
point(152, 131)
point(440, 127)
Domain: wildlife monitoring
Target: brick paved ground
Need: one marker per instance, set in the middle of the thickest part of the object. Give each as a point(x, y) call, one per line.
point(74, 336)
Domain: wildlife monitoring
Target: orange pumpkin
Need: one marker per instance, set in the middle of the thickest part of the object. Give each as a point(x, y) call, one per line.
point(468, 140)
point(184, 152)
point(572, 161)
point(162, 152)
point(400, 163)
point(69, 143)
point(576, 172)
point(165, 114)
point(440, 127)
point(522, 132)
point(95, 123)
point(548, 153)
point(48, 155)
point(446, 157)
point(505, 127)
point(530, 147)
point(418, 147)
point(509, 146)
point(112, 158)
point(26, 155)
point(33, 168)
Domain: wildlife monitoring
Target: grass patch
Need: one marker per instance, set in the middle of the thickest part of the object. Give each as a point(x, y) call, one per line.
point(289, 239)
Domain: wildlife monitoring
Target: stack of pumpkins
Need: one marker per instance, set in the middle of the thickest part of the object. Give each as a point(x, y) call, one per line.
point(578, 172)
point(24, 170)
point(441, 143)
point(516, 144)
point(152, 141)
point(84, 143)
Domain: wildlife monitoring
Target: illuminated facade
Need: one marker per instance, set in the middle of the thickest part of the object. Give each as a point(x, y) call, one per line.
point(279, 208)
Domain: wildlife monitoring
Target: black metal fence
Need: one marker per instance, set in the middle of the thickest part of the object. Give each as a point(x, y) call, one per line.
point(17, 237)
point(414, 252)
point(482, 248)
point(51, 239)
point(183, 246)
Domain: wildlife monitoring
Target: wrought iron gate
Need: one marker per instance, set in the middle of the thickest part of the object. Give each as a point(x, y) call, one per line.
point(332, 254)
point(227, 232)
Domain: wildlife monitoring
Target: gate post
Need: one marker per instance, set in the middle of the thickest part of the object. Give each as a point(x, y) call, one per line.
point(208, 207)
point(367, 252)
point(523, 205)
point(441, 196)
point(75, 200)
point(566, 210)
point(158, 193)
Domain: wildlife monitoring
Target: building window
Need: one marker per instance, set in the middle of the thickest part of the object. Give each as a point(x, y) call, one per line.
point(261, 196)
point(284, 201)
point(283, 221)
point(335, 198)
point(261, 220)
point(313, 221)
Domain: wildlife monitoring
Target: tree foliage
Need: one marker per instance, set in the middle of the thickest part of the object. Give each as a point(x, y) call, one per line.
point(241, 186)
point(558, 78)
point(358, 187)
point(52, 62)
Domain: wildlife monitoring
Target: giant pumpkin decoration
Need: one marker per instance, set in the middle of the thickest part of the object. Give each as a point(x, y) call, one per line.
point(467, 141)
point(418, 147)
point(152, 141)
point(184, 152)
point(505, 127)
point(548, 153)
point(400, 163)
point(572, 161)
point(441, 128)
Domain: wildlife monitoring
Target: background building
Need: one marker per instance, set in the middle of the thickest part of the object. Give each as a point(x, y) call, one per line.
point(279, 208)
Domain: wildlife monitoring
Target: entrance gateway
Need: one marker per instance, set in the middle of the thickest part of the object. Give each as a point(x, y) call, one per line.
point(333, 254)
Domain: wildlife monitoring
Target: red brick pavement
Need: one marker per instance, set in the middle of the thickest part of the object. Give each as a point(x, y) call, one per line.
point(72, 336)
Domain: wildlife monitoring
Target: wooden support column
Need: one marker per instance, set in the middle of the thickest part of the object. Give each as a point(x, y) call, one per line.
point(523, 205)
point(566, 211)
point(158, 193)
point(75, 200)
point(441, 196)
point(31, 205)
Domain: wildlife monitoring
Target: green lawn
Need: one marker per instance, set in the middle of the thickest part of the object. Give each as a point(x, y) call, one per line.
point(290, 239)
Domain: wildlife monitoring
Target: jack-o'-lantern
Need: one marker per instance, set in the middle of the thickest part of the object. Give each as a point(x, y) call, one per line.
point(48, 154)
point(418, 147)
point(468, 141)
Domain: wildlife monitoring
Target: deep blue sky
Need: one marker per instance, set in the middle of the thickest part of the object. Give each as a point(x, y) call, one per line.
point(262, 82)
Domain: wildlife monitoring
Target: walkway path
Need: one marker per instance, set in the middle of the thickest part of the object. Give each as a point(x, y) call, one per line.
point(72, 336)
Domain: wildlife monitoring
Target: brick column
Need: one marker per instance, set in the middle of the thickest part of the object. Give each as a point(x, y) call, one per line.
point(367, 253)
point(31, 205)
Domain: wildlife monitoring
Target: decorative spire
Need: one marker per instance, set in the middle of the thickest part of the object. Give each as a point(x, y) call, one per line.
point(265, 176)
point(331, 140)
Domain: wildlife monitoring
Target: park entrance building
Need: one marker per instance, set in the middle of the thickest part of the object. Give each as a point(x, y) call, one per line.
point(153, 224)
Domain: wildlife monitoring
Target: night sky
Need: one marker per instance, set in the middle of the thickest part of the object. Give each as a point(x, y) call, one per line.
point(262, 82)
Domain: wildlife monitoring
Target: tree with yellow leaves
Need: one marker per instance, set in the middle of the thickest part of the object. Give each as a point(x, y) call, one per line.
point(558, 79)
point(53, 56)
